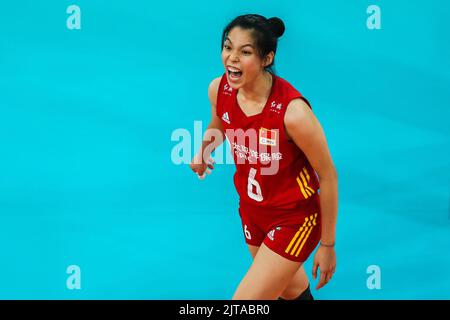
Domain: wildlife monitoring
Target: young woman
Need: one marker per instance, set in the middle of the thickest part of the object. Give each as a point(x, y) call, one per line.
point(281, 156)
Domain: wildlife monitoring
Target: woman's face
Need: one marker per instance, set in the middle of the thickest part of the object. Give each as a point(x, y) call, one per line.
point(240, 58)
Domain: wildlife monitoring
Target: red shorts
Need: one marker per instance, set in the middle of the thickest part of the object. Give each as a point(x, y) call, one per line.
point(292, 233)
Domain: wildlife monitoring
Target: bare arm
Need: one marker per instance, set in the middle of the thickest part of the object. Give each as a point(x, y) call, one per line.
point(213, 137)
point(214, 134)
point(305, 130)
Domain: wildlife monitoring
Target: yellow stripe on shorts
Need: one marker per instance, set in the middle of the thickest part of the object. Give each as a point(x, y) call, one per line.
point(304, 240)
point(296, 235)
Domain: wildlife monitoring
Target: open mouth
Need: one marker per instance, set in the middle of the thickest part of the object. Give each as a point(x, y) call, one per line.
point(234, 73)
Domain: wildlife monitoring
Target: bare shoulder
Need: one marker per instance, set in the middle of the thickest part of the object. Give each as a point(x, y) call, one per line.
point(213, 88)
point(297, 111)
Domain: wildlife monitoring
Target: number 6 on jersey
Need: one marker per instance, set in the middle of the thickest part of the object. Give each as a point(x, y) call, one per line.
point(253, 183)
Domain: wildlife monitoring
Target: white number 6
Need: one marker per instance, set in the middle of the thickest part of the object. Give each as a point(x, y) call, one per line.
point(252, 182)
point(247, 233)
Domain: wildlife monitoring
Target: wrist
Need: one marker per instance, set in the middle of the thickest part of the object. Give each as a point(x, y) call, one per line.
point(200, 157)
point(327, 244)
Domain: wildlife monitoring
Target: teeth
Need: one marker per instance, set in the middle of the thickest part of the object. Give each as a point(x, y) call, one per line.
point(233, 70)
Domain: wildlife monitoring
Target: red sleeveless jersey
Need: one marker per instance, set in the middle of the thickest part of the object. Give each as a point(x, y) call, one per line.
point(271, 171)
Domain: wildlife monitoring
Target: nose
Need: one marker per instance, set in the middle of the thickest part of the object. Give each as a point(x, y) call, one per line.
point(234, 56)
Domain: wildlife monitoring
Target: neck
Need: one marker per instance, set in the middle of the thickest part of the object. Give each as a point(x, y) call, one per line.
point(259, 89)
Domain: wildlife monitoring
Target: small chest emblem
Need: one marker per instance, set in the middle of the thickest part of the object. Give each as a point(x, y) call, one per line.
point(276, 107)
point(226, 118)
point(267, 137)
point(227, 89)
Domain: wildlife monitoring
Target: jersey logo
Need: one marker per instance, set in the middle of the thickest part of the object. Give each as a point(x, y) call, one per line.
point(226, 118)
point(267, 137)
point(227, 89)
point(276, 107)
point(271, 234)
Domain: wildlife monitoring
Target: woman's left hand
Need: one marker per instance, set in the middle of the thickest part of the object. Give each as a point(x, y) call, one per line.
point(325, 260)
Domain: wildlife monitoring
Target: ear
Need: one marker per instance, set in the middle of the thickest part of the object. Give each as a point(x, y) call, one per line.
point(269, 59)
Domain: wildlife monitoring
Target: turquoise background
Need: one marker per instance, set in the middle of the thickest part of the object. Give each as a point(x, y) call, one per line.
point(86, 117)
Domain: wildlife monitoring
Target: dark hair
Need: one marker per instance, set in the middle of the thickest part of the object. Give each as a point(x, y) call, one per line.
point(265, 32)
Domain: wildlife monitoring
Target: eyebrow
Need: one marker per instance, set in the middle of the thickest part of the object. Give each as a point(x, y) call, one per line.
point(245, 45)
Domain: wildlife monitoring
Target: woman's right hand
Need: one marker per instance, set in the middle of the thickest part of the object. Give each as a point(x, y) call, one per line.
point(200, 167)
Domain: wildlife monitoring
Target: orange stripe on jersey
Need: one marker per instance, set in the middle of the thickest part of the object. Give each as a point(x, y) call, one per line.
point(306, 173)
point(302, 189)
point(307, 178)
point(306, 184)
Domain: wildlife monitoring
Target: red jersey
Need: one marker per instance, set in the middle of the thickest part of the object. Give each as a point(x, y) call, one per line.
point(271, 171)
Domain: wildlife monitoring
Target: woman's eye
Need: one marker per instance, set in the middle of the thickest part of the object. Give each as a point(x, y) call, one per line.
point(226, 47)
point(246, 52)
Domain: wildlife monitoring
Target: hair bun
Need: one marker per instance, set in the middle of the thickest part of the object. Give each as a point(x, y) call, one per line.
point(277, 26)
